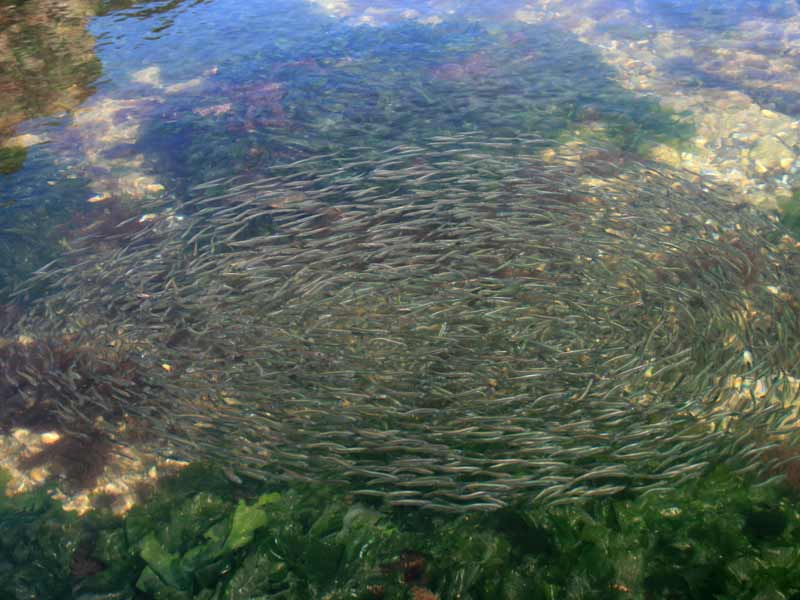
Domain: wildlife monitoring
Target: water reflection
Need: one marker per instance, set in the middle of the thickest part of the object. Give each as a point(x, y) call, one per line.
point(47, 60)
point(48, 70)
point(160, 15)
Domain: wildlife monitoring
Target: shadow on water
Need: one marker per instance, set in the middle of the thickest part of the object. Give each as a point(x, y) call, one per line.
point(160, 15)
point(299, 83)
point(143, 9)
point(48, 63)
point(338, 87)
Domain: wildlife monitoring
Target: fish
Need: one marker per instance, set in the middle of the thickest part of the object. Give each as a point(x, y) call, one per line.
point(454, 325)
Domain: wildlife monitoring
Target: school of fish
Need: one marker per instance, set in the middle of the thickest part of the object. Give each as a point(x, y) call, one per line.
point(456, 325)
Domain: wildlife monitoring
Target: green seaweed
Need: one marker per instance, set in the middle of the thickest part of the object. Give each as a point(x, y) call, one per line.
point(719, 537)
point(790, 211)
point(11, 159)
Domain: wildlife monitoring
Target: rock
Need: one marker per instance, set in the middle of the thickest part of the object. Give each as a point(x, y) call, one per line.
point(769, 152)
point(665, 154)
point(51, 437)
point(148, 76)
point(24, 141)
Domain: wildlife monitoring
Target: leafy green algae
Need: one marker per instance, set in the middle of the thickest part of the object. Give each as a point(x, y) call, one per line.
point(790, 211)
point(12, 159)
point(200, 538)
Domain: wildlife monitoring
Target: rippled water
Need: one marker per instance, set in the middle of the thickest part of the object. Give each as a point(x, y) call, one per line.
point(131, 100)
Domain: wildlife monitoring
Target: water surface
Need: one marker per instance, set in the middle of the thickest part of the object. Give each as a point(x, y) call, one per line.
point(130, 100)
point(114, 115)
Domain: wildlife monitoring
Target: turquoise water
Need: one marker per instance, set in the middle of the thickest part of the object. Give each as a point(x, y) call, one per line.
point(478, 292)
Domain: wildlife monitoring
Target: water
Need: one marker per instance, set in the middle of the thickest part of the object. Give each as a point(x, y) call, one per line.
point(367, 296)
point(158, 96)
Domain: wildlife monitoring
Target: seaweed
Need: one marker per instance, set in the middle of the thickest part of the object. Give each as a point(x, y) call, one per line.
point(790, 212)
point(12, 159)
point(201, 537)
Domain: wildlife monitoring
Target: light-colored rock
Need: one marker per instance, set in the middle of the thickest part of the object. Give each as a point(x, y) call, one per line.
point(528, 15)
point(39, 474)
point(80, 504)
point(148, 76)
point(24, 340)
point(115, 488)
point(50, 438)
point(769, 152)
point(432, 20)
point(122, 505)
point(24, 141)
point(337, 8)
point(182, 86)
point(665, 154)
point(101, 197)
point(23, 436)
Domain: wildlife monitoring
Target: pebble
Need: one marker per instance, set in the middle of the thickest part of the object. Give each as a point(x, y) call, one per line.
point(99, 198)
point(115, 488)
point(24, 340)
point(81, 504)
point(21, 435)
point(49, 438)
point(39, 474)
point(25, 141)
point(122, 504)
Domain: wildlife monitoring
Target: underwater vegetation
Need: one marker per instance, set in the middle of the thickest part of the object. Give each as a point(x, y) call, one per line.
point(81, 375)
point(201, 537)
point(790, 212)
point(11, 159)
point(462, 325)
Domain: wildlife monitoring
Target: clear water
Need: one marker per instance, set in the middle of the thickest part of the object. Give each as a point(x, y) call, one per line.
point(172, 94)
point(109, 107)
